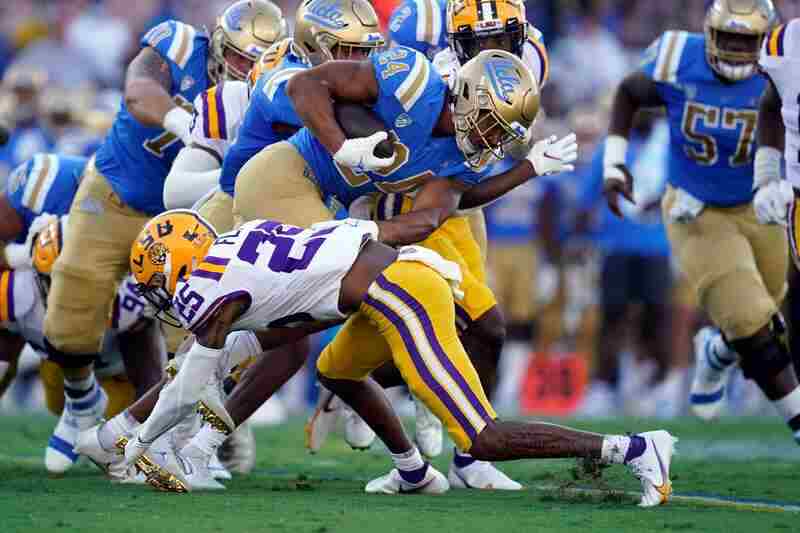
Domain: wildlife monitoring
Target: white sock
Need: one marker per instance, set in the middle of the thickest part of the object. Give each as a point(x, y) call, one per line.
point(208, 440)
point(789, 406)
point(721, 354)
point(615, 447)
point(410, 460)
point(122, 425)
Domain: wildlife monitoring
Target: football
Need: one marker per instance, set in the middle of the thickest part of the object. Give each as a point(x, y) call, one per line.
point(359, 121)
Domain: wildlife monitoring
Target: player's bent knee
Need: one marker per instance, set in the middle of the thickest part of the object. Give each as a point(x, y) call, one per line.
point(764, 354)
point(722, 300)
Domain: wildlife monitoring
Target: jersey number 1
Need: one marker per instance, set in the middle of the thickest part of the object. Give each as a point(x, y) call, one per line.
point(158, 145)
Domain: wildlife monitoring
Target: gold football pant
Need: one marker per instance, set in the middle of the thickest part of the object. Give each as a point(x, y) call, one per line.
point(121, 392)
point(94, 259)
point(277, 184)
point(410, 307)
point(513, 267)
point(736, 266)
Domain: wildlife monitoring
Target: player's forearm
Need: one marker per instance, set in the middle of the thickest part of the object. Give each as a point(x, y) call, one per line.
point(144, 355)
point(313, 103)
point(493, 188)
point(636, 92)
point(194, 173)
point(771, 130)
point(412, 227)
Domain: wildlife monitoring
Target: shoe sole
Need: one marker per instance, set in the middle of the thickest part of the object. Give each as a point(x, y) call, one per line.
point(156, 476)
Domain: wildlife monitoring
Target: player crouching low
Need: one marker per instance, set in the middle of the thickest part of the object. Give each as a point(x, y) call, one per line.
point(294, 281)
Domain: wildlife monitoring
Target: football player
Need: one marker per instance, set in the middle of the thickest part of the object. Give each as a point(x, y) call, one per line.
point(272, 275)
point(710, 87)
point(128, 364)
point(43, 185)
point(775, 201)
point(122, 187)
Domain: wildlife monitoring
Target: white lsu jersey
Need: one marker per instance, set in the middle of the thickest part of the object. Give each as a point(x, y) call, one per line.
point(780, 59)
point(22, 311)
point(218, 114)
point(534, 56)
point(289, 275)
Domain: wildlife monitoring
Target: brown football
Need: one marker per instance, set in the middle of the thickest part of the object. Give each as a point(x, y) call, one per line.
point(359, 121)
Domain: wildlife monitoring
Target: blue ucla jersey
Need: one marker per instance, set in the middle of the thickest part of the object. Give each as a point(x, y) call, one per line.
point(136, 159)
point(22, 144)
point(410, 99)
point(712, 123)
point(265, 120)
point(421, 25)
point(46, 183)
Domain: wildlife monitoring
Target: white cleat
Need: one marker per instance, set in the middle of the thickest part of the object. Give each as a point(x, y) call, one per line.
point(109, 461)
point(168, 470)
point(434, 482)
point(217, 470)
point(707, 395)
point(356, 432)
point(238, 452)
point(480, 475)
point(652, 467)
point(60, 455)
point(323, 420)
point(428, 432)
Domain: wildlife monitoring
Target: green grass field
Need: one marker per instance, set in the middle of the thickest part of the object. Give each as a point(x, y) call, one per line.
point(732, 476)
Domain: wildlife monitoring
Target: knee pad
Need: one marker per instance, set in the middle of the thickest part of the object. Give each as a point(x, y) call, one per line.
point(764, 355)
point(68, 360)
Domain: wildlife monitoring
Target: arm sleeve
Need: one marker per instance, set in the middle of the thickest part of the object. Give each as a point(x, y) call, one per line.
point(194, 172)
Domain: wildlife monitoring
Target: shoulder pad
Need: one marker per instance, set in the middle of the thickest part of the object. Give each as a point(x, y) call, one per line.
point(405, 72)
point(670, 50)
point(173, 40)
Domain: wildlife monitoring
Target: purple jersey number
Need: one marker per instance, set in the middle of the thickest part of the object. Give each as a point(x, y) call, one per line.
point(187, 302)
point(282, 238)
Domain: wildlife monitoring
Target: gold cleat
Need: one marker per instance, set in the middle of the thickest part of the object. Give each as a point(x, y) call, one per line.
point(156, 476)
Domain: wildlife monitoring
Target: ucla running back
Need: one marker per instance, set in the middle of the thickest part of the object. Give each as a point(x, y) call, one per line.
point(123, 185)
point(710, 86)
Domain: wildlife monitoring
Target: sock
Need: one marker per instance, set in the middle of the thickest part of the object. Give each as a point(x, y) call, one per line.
point(719, 354)
point(619, 449)
point(789, 409)
point(81, 394)
point(410, 465)
point(208, 440)
point(121, 425)
point(462, 460)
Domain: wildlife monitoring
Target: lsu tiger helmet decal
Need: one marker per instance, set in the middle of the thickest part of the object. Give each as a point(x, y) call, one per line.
point(734, 32)
point(475, 25)
point(243, 32)
point(167, 250)
point(46, 248)
point(337, 29)
point(495, 101)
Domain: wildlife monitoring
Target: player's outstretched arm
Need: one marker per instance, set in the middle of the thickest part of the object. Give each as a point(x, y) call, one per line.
point(774, 195)
point(313, 92)
point(636, 92)
point(147, 94)
point(434, 203)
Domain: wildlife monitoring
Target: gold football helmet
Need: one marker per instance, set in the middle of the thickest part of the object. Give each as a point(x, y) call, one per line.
point(245, 29)
point(735, 31)
point(168, 248)
point(47, 245)
point(475, 25)
point(334, 29)
point(271, 58)
point(495, 101)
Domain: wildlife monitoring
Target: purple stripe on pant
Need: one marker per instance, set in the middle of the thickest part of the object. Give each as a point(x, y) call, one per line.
point(420, 365)
point(427, 326)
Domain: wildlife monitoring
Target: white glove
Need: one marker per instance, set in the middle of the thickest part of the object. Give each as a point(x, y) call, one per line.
point(553, 155)
point(772, 202)
point(686, 207)
point(179, 122)
point(358, 153)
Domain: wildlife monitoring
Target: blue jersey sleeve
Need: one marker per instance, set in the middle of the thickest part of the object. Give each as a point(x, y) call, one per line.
point(663, 62)
point(15, 186)
point(174, 41)
point(419, 24)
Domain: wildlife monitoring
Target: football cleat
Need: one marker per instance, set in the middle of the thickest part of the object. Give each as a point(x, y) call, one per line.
point(109, 461)
point(428, 433)
point(168, 470)
point(480, 475)
point(60, 455)
point(323, 420)
point(238, 452)
point(652, 467)
point(356, 432)
point(711, 376)
point(217, 470)
point(434, 482)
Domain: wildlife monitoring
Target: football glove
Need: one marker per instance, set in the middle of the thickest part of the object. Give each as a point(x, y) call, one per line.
point(553, 155)
point(359, 153)
point(772, 202)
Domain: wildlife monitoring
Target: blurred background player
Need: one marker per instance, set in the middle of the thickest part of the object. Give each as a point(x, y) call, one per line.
point(710, 87)
point(123, 186)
